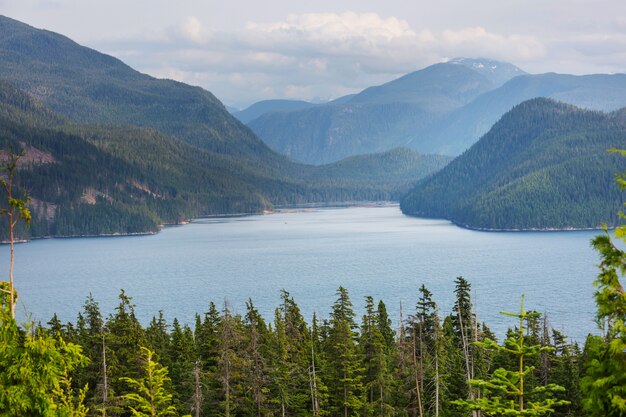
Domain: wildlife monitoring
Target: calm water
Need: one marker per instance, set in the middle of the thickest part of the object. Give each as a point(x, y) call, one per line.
point(369, 250)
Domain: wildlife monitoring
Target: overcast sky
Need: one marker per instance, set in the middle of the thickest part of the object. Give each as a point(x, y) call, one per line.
point(245, 51)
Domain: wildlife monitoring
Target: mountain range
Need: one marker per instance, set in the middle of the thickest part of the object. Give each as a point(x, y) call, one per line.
point(442, 109)
point(164, 151)
point(381, 117)
point(543, 165)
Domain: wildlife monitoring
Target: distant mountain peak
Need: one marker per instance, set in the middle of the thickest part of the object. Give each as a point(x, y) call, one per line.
point(497, 71)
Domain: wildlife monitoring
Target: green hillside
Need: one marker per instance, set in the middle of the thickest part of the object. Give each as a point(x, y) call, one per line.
point(101, 179)
point(545, 164)
point(90, 87)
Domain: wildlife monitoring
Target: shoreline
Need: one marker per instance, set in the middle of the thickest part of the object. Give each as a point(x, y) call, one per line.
point(530, 229)
point(513, 230)
point(312, 207)
point(279, 209)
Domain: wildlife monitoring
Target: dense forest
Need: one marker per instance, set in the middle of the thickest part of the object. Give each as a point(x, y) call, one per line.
point(227, 364)
point(88, 179)
point(545, 164)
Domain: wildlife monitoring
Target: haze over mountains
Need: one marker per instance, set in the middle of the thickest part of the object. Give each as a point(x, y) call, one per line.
point(443, 109)
point(381, 117)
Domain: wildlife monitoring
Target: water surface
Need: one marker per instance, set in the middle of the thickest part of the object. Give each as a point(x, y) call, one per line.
point(369, 250)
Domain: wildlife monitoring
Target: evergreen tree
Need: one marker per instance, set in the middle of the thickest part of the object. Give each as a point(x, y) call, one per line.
point(506, 393)
point(35, 369)
point(344, 372)
point(256, 366)
point(148, 396)
point(124, 338)
point(291, 359)
point(605, 381)
point(208, 344)
point(377, 379)
point(427, 328)
point(182, 358)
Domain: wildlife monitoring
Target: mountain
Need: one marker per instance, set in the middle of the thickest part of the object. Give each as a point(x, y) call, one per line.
point(463, 127)
point(544, 164)
point(382, 117)
point(90, 87)
point(145, 178)
point(267, 106)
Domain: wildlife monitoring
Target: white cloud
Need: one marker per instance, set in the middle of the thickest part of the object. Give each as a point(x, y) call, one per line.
point(331, 54)
point(192, 29)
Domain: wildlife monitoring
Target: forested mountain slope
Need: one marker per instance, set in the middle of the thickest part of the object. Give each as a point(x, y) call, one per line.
point(382, 117)
point(545, 164)
point(462, 128)
point(101, 179)
point(88, 86)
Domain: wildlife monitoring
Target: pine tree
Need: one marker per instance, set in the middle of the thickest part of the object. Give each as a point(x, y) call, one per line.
point(182, 358)
point(377, 376)
point(35, 369)
point(506, 393)
point(605, 382)
point(345, 380)
point(208, 349)
point(148, 396)
point(291, 359)
point(256, 372)
point(123, 340)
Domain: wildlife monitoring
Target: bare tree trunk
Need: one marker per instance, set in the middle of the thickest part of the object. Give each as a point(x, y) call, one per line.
point(545, 341)
point(314, 400)
point(197, 397)
point(417, 379)
point(105, 385)
point(437, 381)
point(466, 352)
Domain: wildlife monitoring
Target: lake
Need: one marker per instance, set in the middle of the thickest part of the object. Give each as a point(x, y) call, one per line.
point(310, 253)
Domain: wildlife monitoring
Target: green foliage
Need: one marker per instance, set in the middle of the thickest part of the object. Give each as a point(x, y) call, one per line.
point(344, 361)
point(605, 381)
point(543, 165)
point(34, 372)
point(505, 393)
point(149, 397)
point(241, 366)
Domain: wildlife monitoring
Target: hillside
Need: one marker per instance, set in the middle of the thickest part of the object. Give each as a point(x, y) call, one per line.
point(90, 87)
point(543, 165)
point(463, 127)
point(379, 118)
point(145, 178)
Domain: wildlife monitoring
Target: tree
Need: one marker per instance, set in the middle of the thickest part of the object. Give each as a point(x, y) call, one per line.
point(34, 371)
point(377, 375)
point(604, 384)
point(15, 212)
point(149, 397)
point(343, 359)
point(505, 393)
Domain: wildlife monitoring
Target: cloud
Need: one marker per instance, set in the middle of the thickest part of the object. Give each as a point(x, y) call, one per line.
point(192, 29)
point(327, 55)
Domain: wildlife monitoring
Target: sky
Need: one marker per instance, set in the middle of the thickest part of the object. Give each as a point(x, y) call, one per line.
point(246, 51)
